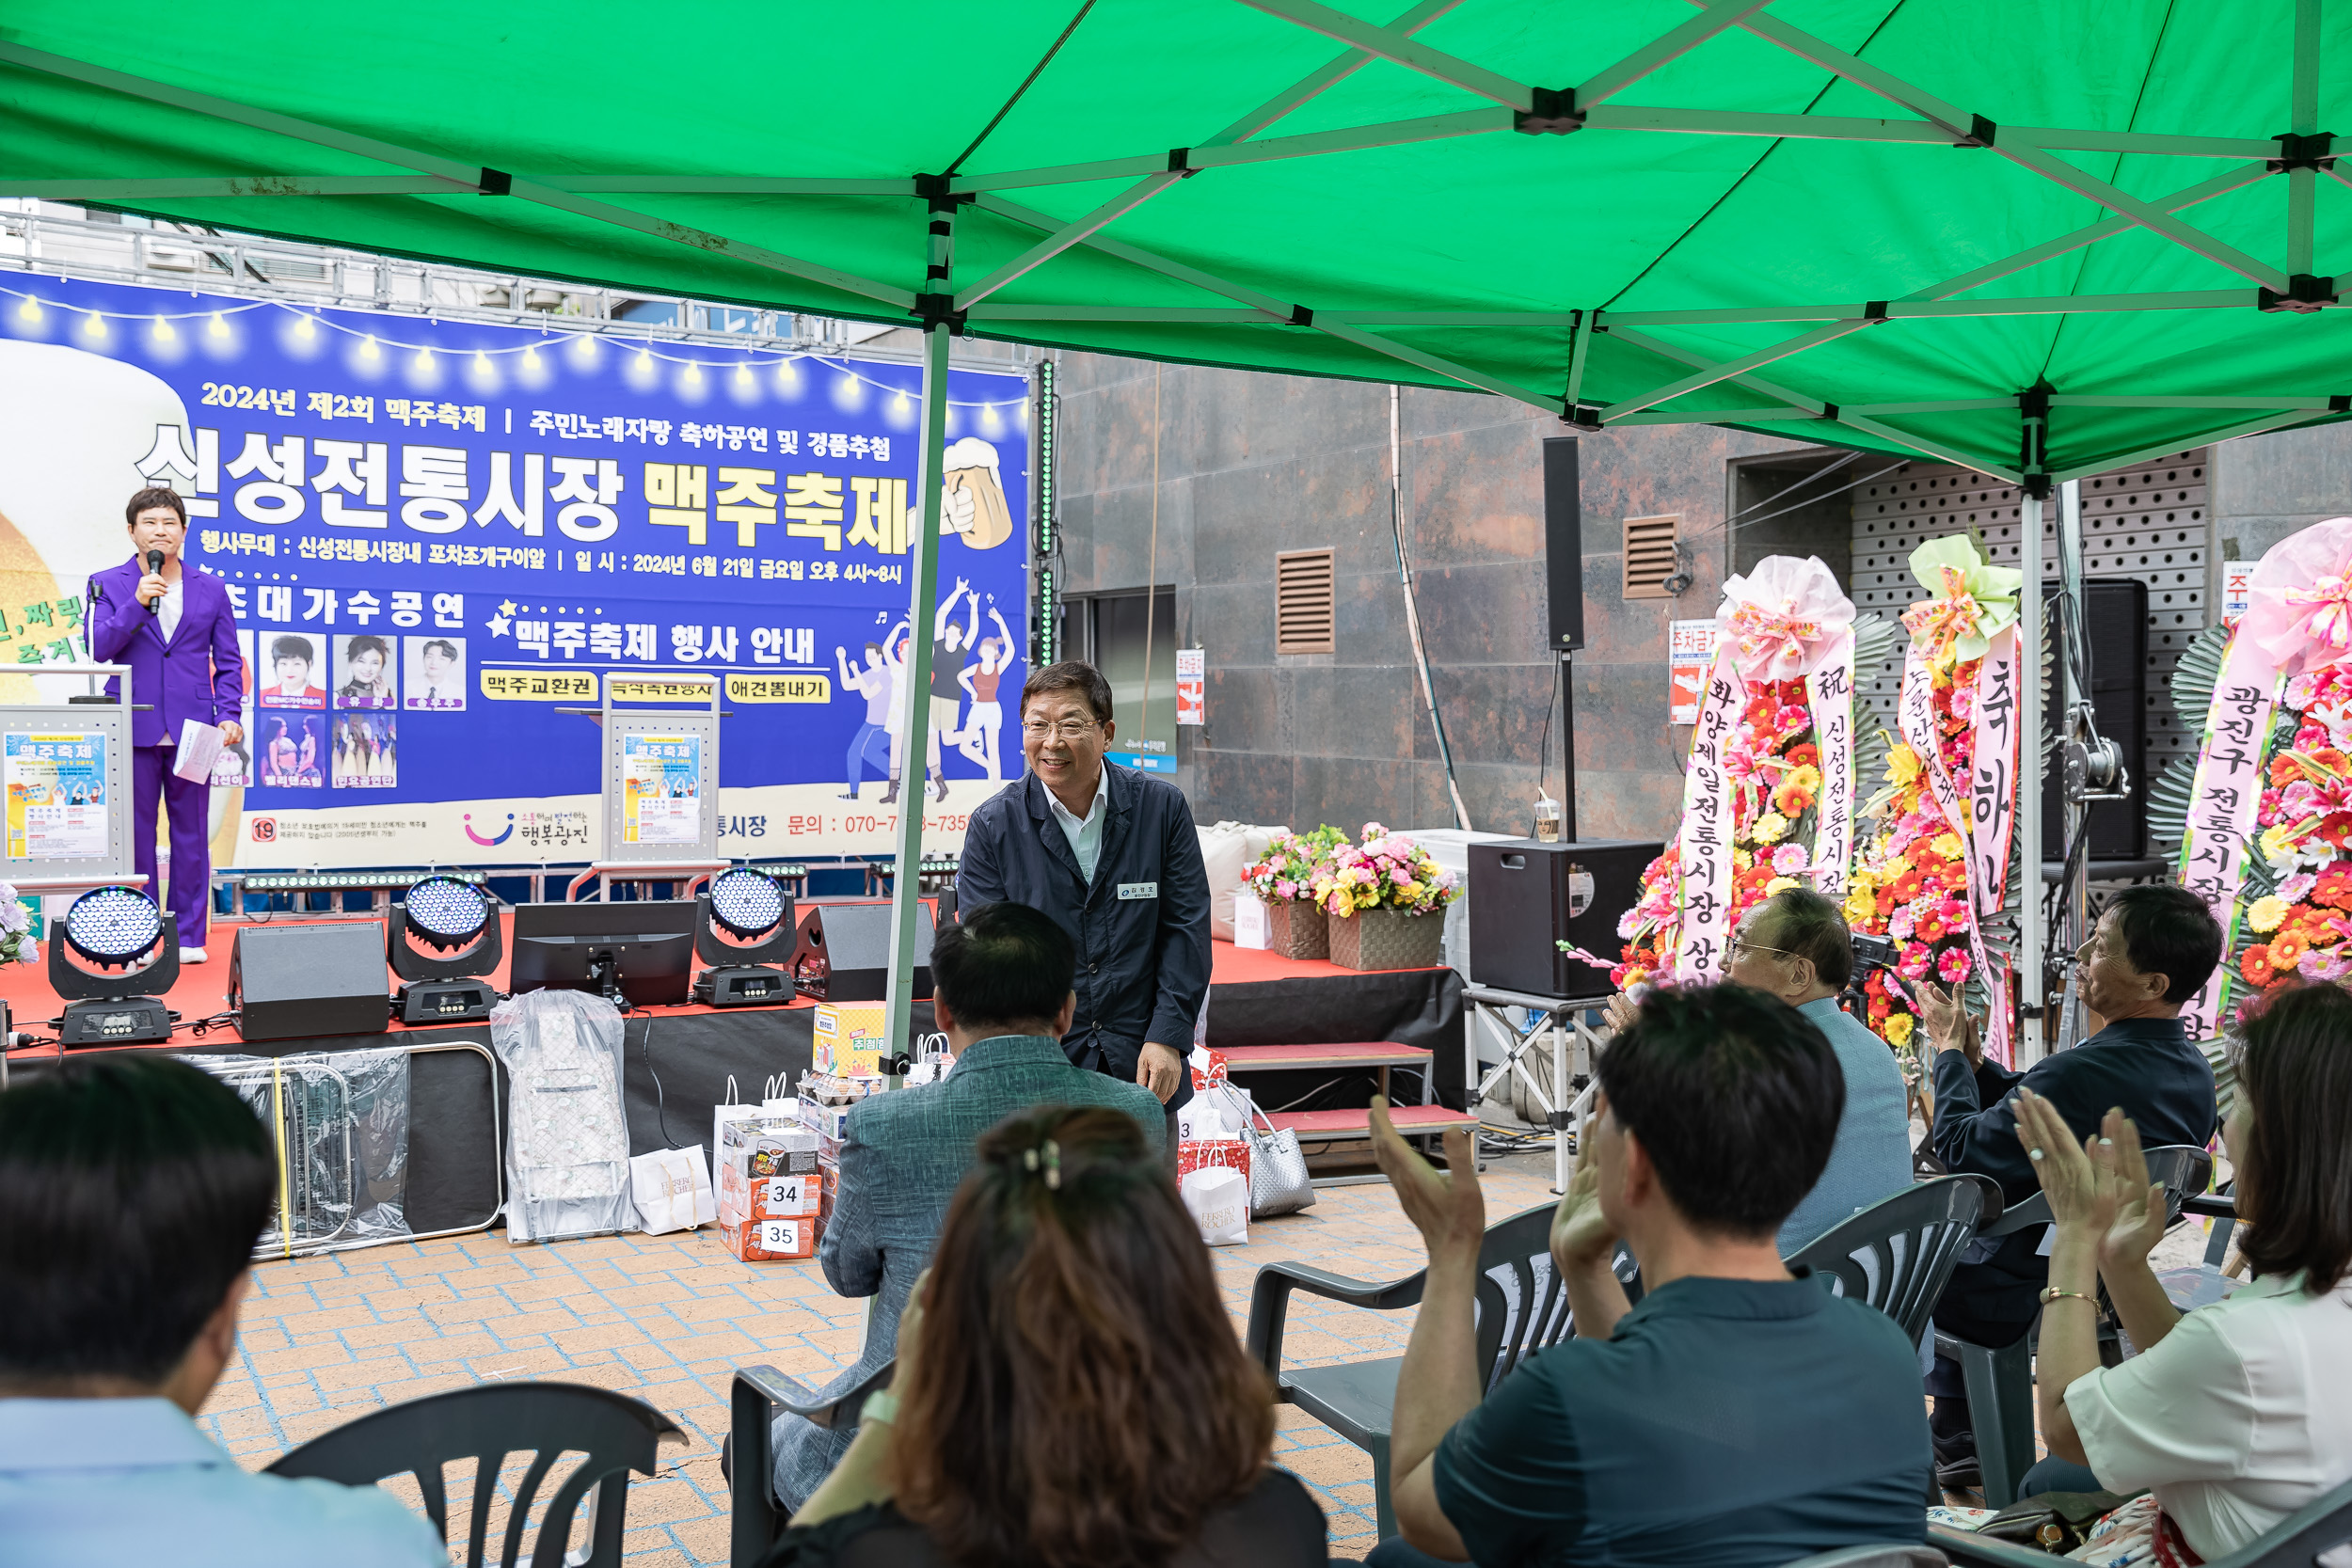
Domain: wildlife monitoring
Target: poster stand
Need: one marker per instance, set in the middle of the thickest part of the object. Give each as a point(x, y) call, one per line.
point(65, 768)
point(660, 776)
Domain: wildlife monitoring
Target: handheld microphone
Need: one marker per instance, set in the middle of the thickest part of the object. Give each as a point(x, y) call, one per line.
point(155, 567)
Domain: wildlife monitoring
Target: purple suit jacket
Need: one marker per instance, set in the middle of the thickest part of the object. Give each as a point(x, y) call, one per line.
point(198, 674)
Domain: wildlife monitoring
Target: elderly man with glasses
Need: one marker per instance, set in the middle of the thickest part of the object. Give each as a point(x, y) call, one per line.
point(1113, 857)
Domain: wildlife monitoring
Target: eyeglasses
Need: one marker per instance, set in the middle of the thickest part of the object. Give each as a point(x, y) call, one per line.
point(1742, 945)
point(1069, 729)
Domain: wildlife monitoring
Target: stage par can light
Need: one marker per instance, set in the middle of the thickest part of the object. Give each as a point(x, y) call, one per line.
point(746, 903)
point(113, 925)
point(112, 928)
point(445, 912)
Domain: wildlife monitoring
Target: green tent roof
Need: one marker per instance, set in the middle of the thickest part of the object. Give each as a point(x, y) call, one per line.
point(1844, 220)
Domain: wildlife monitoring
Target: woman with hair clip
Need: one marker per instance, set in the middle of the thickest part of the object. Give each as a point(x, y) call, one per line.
point(1070, 1391)
point(2234, 1413)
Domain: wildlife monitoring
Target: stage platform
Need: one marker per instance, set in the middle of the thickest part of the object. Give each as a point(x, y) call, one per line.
point(679, 1058)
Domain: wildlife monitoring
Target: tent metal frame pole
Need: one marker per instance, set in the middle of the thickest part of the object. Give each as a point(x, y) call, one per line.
point(2251, 427)
point(2074, 887)
point(915, 717)
point(1248, 125)
point(1929, 310)
point(1711, 374)
point(2032, 980)
point(2303, 112)
point(1391, 46)
point(2150, 215)
point(480, 179)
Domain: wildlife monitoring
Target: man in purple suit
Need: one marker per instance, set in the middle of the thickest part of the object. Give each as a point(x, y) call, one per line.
point(176, 629)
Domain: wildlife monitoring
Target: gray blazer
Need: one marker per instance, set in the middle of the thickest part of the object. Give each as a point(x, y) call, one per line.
point(903, 1156)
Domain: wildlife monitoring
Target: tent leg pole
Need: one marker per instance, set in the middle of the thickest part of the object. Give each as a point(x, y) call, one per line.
point(914, 720)
point(2074, 890)
point(2030, 933)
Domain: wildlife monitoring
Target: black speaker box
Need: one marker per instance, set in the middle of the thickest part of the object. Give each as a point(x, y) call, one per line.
point(1526, 897)
point(844, 953)
point(291, 981)
point(1564, 543)
point(2114, 630)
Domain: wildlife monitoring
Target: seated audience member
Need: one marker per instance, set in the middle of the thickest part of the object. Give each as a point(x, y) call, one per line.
point(2153, 949)
point(1070, 1390)
point(1795, 945)
point(2235, 1414)
point(1739, 1413)
point(133, 1189)
point(1001, 991)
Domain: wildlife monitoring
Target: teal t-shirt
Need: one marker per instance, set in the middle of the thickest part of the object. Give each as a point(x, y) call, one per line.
point(1728, 1422)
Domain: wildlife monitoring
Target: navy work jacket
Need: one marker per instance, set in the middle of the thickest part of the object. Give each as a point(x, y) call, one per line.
point(1142, 927)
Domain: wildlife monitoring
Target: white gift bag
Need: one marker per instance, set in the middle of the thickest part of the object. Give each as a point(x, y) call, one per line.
point(729, 1110)
point(672, 1188)
point(1252, 925)
point(1210, 1117)
point(1218, 1201)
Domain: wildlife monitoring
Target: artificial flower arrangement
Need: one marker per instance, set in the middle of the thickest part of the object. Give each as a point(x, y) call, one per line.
point(1288, 869)
point(16, 930)
point(2265, 816)
point(1911, 881)
point(1382, 871)
point(1773, 767)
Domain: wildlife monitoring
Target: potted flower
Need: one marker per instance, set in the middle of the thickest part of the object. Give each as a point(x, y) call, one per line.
point(1383, 897)
point(1283, 880)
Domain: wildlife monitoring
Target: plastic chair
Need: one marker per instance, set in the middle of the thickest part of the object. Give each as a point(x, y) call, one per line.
point(759, 1394)
point(1522, 1309)
point(1891, 1554)
point(2000, 1381)
point(1899, 1253)
point(486, 1424)
point(2316, 1534)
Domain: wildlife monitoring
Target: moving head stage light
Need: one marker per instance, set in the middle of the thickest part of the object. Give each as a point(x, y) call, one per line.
point(110, 928)
point(442, 940)
point(751, 909)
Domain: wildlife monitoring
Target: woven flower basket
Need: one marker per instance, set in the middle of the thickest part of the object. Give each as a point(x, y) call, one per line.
point(1387, 939)
point(1296, 929)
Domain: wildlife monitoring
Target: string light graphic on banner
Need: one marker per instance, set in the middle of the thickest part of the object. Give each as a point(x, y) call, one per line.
point(31, 309)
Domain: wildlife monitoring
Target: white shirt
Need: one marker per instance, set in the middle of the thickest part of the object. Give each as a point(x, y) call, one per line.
point(167, 608)
point(2236, 1419)
point(1086, 833)
point(133, 1480)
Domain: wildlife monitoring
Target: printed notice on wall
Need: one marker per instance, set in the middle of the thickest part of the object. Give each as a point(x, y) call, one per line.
point(661, 789)
point(2237, 578)
point(1192, 680)
point(57, 786)
point(1691, 654)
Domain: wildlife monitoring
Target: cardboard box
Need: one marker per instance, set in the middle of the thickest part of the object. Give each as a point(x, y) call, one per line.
point(828, 1123)
point(769, 1241)
point(769, 1197)
point(753, 1150)
point(848, 1037)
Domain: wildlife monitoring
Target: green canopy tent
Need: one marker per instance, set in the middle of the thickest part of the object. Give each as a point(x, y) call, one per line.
point(2039, 238)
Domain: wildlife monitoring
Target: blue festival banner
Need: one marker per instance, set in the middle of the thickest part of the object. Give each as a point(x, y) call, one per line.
point(436, 534)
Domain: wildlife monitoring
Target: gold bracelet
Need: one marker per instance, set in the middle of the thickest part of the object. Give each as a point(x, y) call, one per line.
point(2051, 1293)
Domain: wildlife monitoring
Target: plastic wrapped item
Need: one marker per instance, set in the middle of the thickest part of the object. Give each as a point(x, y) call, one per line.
point(567, 1136)
point(339, 1122)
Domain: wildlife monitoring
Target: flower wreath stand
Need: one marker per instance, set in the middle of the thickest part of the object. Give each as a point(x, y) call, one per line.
point(1940, 876)
point(1769, 794)
point(2264, 816)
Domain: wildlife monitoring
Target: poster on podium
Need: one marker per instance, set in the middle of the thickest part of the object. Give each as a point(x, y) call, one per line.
point(439, 535)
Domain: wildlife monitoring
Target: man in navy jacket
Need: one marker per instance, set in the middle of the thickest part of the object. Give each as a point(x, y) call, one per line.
point(178, 632)
point(1111, 854)
point(2153, 949)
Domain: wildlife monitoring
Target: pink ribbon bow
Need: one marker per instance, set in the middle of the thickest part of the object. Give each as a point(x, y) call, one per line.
point(1781, 621)
point(2298, 609)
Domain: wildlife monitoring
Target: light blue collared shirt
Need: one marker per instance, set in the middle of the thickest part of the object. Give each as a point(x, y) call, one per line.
point(1085, 834)
point(125, 1480)
point(1871, 1158)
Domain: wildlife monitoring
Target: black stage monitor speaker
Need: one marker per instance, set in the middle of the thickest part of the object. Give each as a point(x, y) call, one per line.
point(290, 981)
point(1564, 543)
point(1526, 897)
point(2115, 628)
point(844, 953)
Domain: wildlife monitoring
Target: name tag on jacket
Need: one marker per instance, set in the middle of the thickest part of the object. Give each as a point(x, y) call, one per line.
point(1138, 890)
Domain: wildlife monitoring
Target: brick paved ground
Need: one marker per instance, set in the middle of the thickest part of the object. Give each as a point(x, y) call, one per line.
point(666, 1318)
